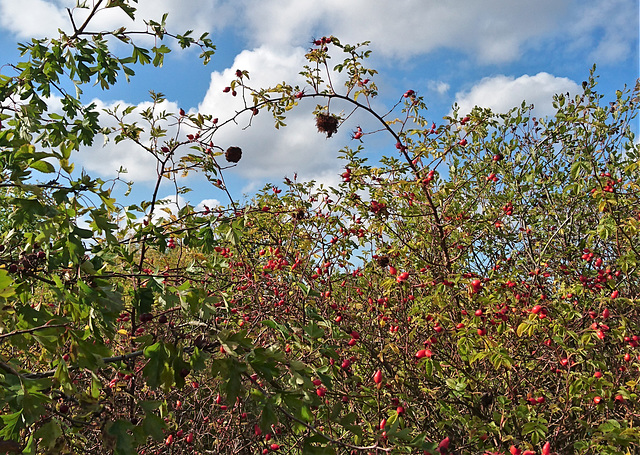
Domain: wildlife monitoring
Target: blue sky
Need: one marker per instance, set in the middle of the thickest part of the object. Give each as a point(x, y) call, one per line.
point(493, 53)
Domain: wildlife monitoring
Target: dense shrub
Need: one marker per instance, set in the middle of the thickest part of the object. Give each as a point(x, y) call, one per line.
point(476, 290)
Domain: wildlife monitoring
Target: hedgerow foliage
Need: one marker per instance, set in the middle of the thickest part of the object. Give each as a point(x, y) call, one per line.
point(474, 291)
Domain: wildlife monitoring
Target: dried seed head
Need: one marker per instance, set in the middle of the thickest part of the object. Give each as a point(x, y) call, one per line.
point(233, 154)
point(327, 123)
point(382, 261)
point(300, 214)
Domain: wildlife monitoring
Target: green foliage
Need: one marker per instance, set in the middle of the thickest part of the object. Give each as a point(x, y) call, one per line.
point(476, 288)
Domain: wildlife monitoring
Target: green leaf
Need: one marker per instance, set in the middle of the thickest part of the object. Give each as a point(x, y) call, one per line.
point(123, 440)
point(7, 288)
point(153, 426)
point(43, 166)
point(313, 330)
point(12, 424)
point(159, 55)
point(268, 418)
point(606, 227)
point(143, 300)
point(49, 433)
point(158, 364)
point(311, 447)
point(428, 365)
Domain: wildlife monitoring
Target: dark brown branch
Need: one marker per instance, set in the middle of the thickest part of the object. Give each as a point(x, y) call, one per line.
point(34, 329)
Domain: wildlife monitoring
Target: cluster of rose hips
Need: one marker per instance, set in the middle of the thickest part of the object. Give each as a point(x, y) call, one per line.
point(430, 175)
point(610, 183)
point(26, 262)
point(322, 41)
point(378, 207)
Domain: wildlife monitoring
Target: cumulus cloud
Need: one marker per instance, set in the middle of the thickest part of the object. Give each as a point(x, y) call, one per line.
point(40, 18)
point(168, 206)
point(267, 152)
point(608, 29)
point(106, 158)
point(492, 30)
point(34, 18)
point(439, 87)
point(502, 93)
point(210, 203)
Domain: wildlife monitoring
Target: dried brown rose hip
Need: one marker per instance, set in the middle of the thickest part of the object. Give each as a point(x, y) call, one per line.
point(233, 154)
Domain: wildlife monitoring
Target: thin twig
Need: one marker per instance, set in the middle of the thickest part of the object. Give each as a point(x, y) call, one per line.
point(42, 327)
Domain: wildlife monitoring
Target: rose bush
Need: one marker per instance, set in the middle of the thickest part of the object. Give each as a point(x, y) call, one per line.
point(473, 291)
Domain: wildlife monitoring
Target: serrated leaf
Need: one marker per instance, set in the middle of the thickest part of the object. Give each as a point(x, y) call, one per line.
point(49, 433)
point(43, 166)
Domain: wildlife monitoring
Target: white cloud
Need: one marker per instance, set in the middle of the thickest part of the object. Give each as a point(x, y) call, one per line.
point(267, 152)
point(502, 93)
point(210, 203)
point(34, 18)
point(40, 18)
point(609, 29)
point(439, 87)
point(492, 30)
point(105, 159)
point(167, 206)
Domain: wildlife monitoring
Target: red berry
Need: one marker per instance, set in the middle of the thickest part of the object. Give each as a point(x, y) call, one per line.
point(402, 277)
point(476, 286)
point(444, 445)
point(377, 377)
